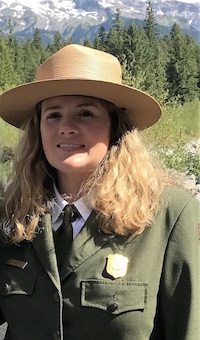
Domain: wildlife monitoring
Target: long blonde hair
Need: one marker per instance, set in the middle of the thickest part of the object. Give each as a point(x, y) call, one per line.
point(125, 189)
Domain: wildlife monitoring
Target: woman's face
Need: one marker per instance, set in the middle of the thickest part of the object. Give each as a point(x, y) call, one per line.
point(75, 133)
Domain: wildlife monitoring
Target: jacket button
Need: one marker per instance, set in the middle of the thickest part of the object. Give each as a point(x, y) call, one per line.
point(113, 307)
point(56, 296)
point(56, 335)
point(6, 287)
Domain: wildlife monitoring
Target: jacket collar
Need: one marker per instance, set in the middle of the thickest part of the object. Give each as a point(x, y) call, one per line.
point(89, 240)
point(44, 247)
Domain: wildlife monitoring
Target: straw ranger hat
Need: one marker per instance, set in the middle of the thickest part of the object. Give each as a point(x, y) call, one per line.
point(79, 70)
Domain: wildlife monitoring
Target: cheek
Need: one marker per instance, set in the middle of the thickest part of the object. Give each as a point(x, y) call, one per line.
point(101, 134)
point(46, 137)
point(46, 132)
point(107, 138)
point(100, 141)
point(42, 132)
point(100, 146)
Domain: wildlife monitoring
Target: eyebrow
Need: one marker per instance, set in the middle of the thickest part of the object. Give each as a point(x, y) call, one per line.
point(55, 107)
point(87, 104)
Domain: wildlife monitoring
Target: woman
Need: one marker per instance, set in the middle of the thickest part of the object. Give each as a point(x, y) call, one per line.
point(132, 270)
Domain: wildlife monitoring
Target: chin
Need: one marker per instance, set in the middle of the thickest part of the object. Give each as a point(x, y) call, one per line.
point(66, 167)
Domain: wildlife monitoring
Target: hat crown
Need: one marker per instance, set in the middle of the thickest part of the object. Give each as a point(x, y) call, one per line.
point(80, 62)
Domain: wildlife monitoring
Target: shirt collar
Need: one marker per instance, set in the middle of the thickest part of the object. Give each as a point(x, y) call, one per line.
point(60, 203)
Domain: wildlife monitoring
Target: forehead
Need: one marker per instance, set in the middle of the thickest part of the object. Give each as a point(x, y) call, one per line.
point(70, 100)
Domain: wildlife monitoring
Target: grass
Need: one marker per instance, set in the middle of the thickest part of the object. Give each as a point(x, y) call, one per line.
point(168, 138)
point(177, 124)
point(9, 138)
point(9, 135)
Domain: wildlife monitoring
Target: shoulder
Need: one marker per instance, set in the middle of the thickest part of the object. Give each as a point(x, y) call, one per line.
point(178, 204)
point(176, 194)
point(177, 199)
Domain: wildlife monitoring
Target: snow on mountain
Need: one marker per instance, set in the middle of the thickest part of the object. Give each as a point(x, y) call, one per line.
point(81, 18)
point(34, 4)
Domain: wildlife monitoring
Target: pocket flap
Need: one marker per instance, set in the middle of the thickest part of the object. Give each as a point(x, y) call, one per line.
point(17, 281)
point(115, 297)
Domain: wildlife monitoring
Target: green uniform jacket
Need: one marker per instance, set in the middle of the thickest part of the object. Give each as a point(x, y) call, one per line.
point(158, 297)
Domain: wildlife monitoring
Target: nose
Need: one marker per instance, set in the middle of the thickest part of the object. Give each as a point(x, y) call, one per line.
point(68, 127)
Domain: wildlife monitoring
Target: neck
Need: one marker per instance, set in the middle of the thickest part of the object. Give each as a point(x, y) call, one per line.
point(70, 186)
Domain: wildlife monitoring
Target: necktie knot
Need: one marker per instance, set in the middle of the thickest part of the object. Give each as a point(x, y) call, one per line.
point(70, 213)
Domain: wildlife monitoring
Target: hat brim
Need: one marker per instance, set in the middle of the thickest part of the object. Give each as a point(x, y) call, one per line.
point(17, 104)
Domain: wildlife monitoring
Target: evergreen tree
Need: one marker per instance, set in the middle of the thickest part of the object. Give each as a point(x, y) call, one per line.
point(57, 44)
point(37, 40)
point(18, 60)
point(38, 46)
point(191, 75)
point(135, 43)
point(30, 61)
point(100, 40)
point(115, 38)
point(153, 60)
point(87, 42)
point(10, 31)
point(160, 89)
point(118, 23)
point(12, 42)
point(182, 69)
point(197, 55)
point(8, 75)
point(69, 41)
point(173, 67)
point(150, 25)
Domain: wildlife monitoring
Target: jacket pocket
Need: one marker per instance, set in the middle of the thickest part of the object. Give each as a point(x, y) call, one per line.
point(17, 281)
point(114, 297)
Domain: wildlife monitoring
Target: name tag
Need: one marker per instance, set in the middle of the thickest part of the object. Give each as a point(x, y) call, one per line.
point(17, 263)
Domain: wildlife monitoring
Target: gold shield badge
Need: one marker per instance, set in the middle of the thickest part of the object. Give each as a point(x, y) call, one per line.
point(117, 265)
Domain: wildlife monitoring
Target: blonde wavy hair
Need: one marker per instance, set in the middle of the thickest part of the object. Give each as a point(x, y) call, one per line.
point(125, 189)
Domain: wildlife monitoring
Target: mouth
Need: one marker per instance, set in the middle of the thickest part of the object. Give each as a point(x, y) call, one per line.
point(70, 146)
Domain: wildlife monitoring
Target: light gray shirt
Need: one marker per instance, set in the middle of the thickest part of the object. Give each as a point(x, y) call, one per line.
point(58, 206)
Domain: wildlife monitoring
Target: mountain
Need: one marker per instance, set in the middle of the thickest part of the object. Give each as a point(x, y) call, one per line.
point(83, 18)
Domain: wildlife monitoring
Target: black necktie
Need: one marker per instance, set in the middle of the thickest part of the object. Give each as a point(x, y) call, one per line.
point(63, 237)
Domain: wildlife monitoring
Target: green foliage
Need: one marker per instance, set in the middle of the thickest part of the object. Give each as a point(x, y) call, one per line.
point(8, 75)
point(182, 68)
point(151, 27)
point(87, 42)
point(167, 68)
point(9, 138)
point(57, 43)
point(5, 171)
point(169, 137)
point(100, 40)
point(115, 37)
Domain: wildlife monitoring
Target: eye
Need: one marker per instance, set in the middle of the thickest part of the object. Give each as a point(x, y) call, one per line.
point(85, 113)
point(53, 115)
